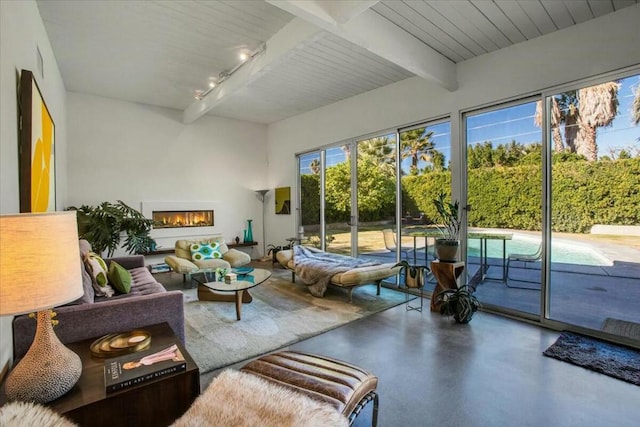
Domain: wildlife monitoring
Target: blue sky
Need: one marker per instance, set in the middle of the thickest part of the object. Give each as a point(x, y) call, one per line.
point(517, 123)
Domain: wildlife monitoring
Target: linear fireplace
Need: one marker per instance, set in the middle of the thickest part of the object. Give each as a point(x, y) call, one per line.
point(179, 219)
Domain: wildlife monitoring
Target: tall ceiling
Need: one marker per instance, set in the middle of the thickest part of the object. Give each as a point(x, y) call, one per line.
point(317, 52)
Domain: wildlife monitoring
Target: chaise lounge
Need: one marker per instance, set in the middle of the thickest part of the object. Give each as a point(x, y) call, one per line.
point(338, 274)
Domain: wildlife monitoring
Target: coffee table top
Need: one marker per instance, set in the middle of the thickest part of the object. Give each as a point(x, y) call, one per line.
point(246, 280)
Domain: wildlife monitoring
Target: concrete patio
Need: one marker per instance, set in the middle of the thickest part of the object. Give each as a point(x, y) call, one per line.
point(583, 295)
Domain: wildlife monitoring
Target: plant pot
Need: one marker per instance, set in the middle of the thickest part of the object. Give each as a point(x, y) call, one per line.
point(447, 250)
point(414, 277)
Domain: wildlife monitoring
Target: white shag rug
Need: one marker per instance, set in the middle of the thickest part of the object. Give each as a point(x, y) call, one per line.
point(27, 414)
point(238, 399)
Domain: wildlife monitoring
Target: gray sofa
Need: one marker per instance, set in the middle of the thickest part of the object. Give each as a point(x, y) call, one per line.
point(148, 303)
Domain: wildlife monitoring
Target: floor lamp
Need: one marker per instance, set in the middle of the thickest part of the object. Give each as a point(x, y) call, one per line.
point(39, 270)
point(261, 194)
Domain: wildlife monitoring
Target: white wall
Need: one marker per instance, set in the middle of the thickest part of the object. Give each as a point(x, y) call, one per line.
point(137, 153)
point(597, 46)
point(21, 32)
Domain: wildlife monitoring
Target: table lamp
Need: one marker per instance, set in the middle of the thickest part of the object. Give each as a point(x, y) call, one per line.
point(40, 269)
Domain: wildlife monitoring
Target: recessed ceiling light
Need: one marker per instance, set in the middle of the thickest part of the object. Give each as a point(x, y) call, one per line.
point(212, 84)
point(243, 56)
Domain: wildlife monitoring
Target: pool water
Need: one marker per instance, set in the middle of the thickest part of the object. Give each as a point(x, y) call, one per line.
point(561, 251)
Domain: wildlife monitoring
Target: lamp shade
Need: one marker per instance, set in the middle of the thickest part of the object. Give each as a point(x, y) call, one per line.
point(39, 261)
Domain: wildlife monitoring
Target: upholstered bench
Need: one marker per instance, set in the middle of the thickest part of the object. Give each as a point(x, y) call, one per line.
point(346, 387)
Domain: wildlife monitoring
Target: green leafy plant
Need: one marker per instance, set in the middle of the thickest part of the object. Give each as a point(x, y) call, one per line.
point(104, 225)
point(449, 214)
point(459, 303)
point(414, 275)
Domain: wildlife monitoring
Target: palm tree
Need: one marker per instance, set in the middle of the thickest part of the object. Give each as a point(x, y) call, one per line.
point(315, 166)
point(417, 145)
point(347, 151)
point(380, 152)
point(598, 106)
point(582, 113)
point(556, 119)
point(635, 108)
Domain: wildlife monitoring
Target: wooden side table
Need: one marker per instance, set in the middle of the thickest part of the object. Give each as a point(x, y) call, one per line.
point(447, 275)
point(154, 403)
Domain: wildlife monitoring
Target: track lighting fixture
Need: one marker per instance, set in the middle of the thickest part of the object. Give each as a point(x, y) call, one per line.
point(245, 57)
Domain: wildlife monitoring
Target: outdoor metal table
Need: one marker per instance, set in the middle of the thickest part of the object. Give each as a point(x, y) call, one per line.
point(482, 235)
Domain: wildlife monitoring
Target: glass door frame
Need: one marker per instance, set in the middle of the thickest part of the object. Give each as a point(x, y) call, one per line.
point(464, 199)
point(546, 96)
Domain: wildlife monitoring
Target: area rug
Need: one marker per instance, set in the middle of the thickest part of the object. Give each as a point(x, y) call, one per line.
point(280, 314)
point(607, 358)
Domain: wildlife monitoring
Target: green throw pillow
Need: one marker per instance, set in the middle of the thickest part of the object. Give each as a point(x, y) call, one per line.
point(119, 277)
point(202, 251)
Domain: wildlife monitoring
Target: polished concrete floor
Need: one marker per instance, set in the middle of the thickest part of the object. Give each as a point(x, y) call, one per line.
point(490, 372)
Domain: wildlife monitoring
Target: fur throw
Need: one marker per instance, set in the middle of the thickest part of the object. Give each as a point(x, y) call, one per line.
point(315, 268)
point(27, 414)
point(239, 399)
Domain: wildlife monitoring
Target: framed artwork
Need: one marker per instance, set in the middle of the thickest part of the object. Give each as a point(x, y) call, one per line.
point(283, 200)
point(36, 149)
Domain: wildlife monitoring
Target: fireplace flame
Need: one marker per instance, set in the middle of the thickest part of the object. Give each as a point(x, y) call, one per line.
point(177, 219)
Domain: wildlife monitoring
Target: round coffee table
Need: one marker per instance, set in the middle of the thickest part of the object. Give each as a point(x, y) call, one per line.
point(211, 290)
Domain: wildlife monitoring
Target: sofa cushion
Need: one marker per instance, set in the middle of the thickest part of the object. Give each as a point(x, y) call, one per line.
point(212, 264)
point(119, 277)
point(142, 283)
point(203, 251)
point(87, 285)
point(97, 268)
point(183, 250)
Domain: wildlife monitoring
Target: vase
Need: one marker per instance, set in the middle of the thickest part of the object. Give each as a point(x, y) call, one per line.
point(249, 236)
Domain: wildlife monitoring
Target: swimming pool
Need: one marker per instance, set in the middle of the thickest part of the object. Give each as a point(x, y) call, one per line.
point(561, 250)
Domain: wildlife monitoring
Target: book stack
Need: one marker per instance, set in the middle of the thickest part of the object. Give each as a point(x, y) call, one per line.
point(230, 277)
point(134, 369)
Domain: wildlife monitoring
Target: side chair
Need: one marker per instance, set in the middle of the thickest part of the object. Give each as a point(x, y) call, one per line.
point(391, 244)
point(524, 258)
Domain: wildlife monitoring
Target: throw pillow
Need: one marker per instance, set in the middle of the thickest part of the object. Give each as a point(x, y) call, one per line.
point(119, 277)
point(97, 268)
point(202, 251)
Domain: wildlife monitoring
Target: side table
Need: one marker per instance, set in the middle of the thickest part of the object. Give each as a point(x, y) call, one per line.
point(447, 275)
point(153, 403)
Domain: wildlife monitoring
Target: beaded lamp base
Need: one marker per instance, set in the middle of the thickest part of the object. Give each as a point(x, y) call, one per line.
point(48, 370)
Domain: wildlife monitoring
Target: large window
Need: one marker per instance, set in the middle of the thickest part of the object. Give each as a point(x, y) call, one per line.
point(551, 198)
point(594, 145)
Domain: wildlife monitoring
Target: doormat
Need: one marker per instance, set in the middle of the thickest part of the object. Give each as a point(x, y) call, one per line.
point(607, 358)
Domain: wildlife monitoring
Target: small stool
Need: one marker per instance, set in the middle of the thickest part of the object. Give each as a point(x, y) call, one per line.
point(346, 387)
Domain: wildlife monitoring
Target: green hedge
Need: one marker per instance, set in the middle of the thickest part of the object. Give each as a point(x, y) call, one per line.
point(584, 193)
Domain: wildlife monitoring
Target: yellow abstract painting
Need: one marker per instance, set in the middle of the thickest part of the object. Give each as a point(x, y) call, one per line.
point(38, 148)
point(283, 200)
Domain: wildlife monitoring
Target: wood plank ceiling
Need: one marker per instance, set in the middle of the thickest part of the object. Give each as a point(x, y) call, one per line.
point(161, 52)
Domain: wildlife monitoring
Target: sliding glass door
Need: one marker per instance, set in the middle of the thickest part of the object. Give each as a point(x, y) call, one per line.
point(504, 190)
point(376, 197)
point(594, 145)
point(310, 178)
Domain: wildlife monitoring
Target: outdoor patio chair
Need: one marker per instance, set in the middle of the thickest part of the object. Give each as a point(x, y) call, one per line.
point(524, 258)
point(391, 244)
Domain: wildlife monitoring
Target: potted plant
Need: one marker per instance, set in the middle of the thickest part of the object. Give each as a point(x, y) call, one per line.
point(449, 213)
point(414, 275)
point(459, 303)
point(104, 225)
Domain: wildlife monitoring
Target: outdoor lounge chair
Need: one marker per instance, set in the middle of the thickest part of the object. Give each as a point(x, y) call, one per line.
point(524, 258)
